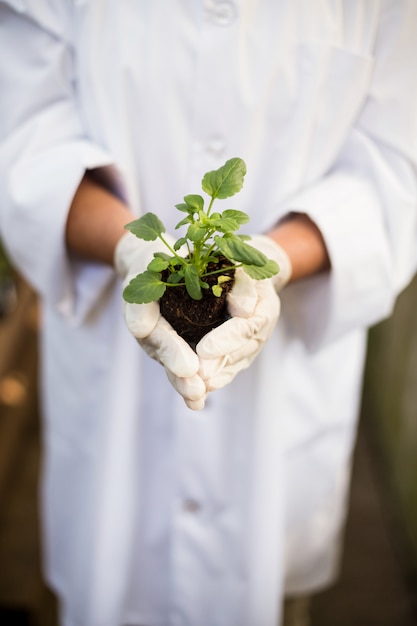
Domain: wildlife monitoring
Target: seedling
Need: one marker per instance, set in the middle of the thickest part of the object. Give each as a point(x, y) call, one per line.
point(209, 237)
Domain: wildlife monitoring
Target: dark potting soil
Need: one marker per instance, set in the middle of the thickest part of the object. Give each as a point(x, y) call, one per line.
point(192, 319)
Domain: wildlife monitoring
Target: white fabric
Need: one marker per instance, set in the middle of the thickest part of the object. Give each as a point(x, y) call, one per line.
point(152, 513)
point(154, 334)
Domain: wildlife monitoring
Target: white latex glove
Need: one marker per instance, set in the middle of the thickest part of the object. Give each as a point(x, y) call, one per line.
point(156, 336)
point(255, 307)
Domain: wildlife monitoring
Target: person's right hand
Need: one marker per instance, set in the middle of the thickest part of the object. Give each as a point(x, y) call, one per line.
point(156, 336)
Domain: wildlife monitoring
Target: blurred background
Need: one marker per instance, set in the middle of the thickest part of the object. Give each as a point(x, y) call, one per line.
point(378, 583)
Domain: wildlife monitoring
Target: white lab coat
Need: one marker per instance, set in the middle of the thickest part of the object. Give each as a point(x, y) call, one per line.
point(154, 514)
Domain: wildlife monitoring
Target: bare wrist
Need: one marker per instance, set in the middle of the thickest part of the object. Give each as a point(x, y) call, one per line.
point(304, 244)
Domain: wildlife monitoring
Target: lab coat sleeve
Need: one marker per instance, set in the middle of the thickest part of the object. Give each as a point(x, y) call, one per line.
point(44, 154)
point(366, 204)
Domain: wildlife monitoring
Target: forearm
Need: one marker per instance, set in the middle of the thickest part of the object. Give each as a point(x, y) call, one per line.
point(304, 244)
point(95, 222)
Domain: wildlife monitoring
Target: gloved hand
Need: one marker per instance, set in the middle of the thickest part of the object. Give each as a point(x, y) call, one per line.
point(156, 336)
point(254, 306)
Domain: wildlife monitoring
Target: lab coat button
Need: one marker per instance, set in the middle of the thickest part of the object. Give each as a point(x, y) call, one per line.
point(216, 146)
point(190, 505)
point(224, 12)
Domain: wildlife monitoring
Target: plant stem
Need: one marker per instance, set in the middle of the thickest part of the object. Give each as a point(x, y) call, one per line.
point(179, 258)
point(221, 271)
point(209, 206)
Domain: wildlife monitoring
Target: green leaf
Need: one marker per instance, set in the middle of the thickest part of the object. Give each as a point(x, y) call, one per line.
point(235, 249)
point(196, 232)
point(195, 202)
point(223, 279)
point(226, 181)
point(175, 278)
point(225, 224)
point(163, 255)
point(147, 227)
point(258, 273)
point(239, 216)
point(186, 220)
point(183, 207)
point(179, 243)
point(144, 288)
point(158, 265)
point(217, 290)
point(192, 282)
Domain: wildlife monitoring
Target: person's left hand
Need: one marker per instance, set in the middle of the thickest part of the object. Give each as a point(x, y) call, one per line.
point(231, 347)
point(254, 307)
